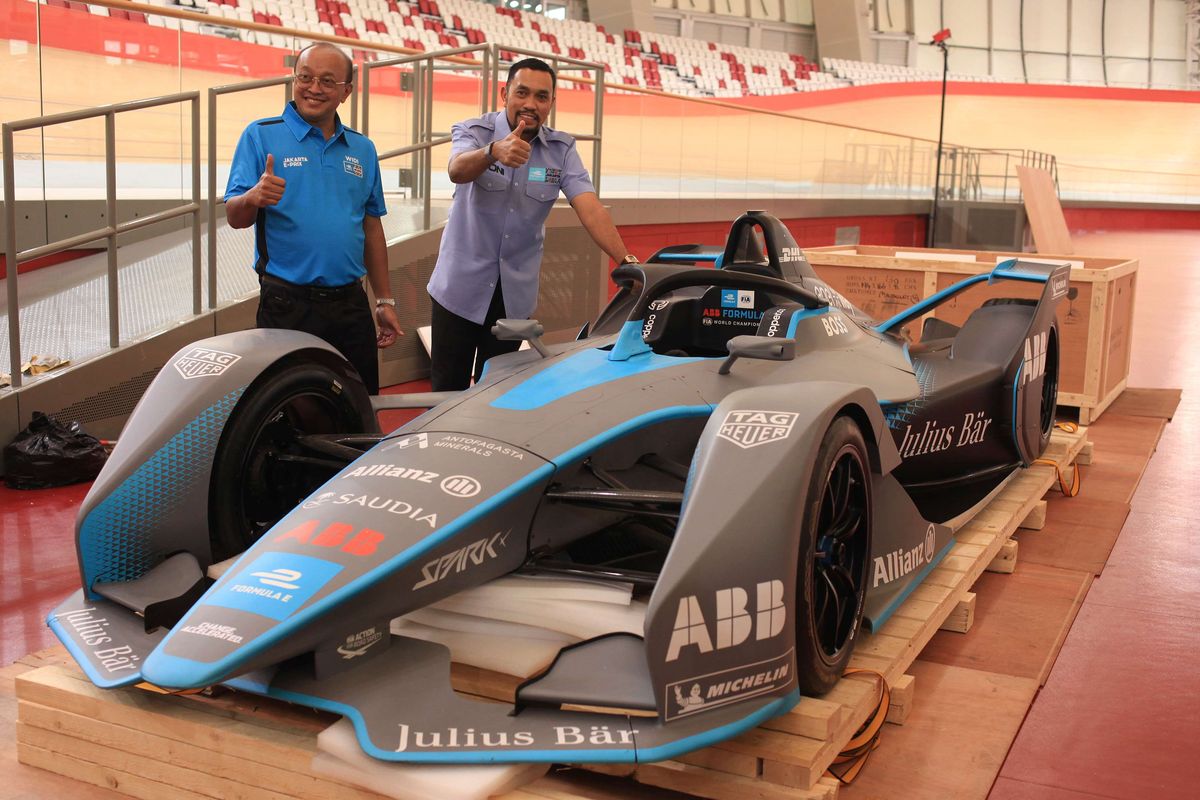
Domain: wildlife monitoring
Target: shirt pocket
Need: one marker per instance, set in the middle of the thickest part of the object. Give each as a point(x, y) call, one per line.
point(542, 192)
point(490, 189)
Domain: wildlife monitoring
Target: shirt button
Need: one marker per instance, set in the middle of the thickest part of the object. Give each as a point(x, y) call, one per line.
point(506, 236)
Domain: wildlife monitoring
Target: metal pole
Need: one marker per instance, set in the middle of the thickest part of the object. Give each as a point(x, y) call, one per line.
point(415, 88)
point(366, 100)
point(212, 198)
point(597, 127)
point(554, 108)
point(10, 250)
point(196, 301)
point(110, 204)
point(937, 175)
point(427, 187)
point(353, 100)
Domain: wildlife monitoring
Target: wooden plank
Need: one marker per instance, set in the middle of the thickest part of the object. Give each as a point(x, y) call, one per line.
point(901, 700)
point(1046, 219)
point(1006, 560)
point(1035, 520)
point(962, 616)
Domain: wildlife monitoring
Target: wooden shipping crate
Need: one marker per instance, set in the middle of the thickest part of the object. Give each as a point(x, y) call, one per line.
point(1094, 321)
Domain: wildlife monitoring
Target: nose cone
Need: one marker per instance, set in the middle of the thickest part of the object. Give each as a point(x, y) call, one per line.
point(412, 520)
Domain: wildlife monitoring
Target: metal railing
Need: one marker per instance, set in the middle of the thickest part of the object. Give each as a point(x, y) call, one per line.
point(110, 231)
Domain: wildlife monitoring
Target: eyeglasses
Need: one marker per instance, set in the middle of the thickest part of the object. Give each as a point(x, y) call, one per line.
point(325, 83)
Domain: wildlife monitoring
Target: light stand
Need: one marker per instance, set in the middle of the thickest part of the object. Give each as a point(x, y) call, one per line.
point(939, 41)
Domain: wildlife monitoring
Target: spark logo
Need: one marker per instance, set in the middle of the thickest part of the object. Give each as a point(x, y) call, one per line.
point(733, 623)
point(1035, 357)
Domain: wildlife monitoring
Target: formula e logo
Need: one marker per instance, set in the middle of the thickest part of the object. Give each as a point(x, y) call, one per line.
point(201, 362)
point(659, 305)
point(737, 298)
point(733, 623)
point(1035, 357)
point(458, 560)
point(460, 486)
point(749, 429)
point(281, 578)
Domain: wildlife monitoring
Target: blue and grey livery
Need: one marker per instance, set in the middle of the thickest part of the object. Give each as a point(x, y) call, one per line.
point(755, 455)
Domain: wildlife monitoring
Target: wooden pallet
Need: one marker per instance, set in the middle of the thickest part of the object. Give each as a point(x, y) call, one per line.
point(162, 747)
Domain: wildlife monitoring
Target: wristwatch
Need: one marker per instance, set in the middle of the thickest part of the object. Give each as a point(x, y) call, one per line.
point(630, 258)
point(385, 301)
point(488, 152)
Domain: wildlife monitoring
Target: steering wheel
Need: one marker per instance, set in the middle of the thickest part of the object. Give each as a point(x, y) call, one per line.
point(714, 277)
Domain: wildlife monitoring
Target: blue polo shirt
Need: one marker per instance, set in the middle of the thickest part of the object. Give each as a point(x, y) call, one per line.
point(314, 235)
point(497, 222)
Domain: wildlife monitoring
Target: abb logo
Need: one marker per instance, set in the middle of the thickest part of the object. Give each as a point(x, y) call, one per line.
point(734, 623)
point(335, 534)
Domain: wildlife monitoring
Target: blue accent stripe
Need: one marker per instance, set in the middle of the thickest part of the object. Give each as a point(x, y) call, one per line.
point(172, 671)
point(84, 660)
point(628, 426)
point(577, 372)
point(1016, 392)
point(713, 257)
point(912, 586)
point(629, 342)
point(1003, 271)
point(622, 756)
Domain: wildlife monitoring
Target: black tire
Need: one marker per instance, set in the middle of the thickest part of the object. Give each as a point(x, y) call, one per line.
point(253, 483)
point(835, 546)
point(1049, 399)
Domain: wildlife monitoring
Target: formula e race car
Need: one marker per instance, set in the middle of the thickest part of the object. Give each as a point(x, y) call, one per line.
point(767, 466)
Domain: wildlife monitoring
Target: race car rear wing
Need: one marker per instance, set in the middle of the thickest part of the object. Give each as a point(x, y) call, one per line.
point(1056, 278)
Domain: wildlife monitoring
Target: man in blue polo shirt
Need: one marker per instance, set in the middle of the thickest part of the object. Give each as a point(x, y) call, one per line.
point(509, 168)
point(311, 186)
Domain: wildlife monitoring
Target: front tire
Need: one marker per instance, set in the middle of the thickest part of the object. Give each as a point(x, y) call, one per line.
point(258, 471)
point(835, 545)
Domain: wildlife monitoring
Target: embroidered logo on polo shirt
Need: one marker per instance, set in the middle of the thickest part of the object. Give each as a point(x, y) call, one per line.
point(351, 165)
point(544, 175)
point(294, 161)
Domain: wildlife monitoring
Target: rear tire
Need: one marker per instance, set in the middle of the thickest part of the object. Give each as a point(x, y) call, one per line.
point(1049, 398)
point(254, 482)
point(835, 545)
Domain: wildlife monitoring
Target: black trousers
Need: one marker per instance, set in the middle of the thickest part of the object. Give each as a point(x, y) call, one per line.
point(459, 343)
point(340, 315)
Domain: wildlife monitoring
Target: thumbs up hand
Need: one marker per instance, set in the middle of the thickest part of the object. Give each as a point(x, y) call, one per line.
point(269, 189)
point(512, 150)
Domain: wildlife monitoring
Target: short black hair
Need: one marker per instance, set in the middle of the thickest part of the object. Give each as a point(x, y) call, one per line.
point(349, 61)
point(535, 64)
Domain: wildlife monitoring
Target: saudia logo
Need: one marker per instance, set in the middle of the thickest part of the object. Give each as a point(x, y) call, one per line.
point(934, 438)
point(458, 560)
point(895, 565)
point(1035, 357)
point(392, 506)
point(733, 624)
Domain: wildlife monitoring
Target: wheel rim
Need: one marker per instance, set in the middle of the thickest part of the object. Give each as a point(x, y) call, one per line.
point(843, 525)
point(275, 480)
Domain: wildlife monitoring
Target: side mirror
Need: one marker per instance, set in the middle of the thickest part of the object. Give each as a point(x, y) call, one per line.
point(764, 348)
point(521, 330)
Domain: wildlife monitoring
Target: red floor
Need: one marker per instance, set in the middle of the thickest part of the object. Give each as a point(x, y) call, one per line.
point(1119, 716)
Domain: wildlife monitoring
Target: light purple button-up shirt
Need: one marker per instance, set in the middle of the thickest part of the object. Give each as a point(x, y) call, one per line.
point(497, 221)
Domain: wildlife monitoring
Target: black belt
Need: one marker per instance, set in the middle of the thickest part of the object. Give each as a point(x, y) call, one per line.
point(314, 292)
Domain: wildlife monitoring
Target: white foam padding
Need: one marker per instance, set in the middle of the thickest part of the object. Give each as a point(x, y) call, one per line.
point(577, 618)
point(340, 757)
point(512, 656)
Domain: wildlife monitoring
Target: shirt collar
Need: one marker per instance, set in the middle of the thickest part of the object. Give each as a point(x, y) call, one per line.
point(300, 127)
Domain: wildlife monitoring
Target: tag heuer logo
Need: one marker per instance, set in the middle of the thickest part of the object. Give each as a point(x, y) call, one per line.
point(749, 429)
point(200, 362)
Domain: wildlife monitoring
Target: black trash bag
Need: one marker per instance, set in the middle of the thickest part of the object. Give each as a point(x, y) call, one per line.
point(49, 453)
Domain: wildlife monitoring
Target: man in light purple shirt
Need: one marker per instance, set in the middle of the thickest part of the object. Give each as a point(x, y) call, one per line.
point(509, 168)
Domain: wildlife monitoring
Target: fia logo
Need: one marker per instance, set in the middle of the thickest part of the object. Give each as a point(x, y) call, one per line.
point(733, 623)
point(737, 298)
point(1035, 357)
